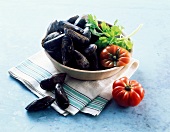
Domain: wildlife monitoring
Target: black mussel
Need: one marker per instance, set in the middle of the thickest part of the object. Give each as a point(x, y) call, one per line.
point(91, 54)
point(54, 43)
point(87, 33)
point(49, 37)
point(72, 19)
point(49, 83)
point(61, 97)
point(94, 38)
point(56, 55)
point(67, 49)
point(90, 49)
point(78, 39)
point(53, 27)
point(40, 104)
point(81, 60)
point(80, 22)
point(65, 24)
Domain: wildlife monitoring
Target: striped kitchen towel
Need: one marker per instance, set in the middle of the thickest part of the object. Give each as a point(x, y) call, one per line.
point(85, 96)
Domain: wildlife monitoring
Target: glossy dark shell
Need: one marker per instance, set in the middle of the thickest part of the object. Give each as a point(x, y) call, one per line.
point(53, 27)
point(61, 97)
point(87, 33)
point(81, 60)
point(72, 19)
point(56, 55)
point(67, 49)
point(49, 83)
point(49, 37)
point(91, 54)
point(65, 24)
point(40, 104)
point(54, 43)
point(80, 22)
point(78, 39)
point(90, 49)
point(93, 39)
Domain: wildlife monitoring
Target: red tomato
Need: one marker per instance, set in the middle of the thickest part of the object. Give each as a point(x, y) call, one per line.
point(127, 92)
point(113, 56)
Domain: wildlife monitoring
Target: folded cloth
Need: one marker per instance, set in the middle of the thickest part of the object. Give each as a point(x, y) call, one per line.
point(85, 96)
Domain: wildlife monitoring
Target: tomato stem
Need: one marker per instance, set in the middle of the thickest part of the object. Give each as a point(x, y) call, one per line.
point(127, 88)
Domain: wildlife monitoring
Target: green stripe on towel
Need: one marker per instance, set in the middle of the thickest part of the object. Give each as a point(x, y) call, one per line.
point(77, 94)
point(101, 99)
point(74, 103)
point(38, 69)
point(98, 103)
point(94, 106)
point(33, 70)
point(29, 72)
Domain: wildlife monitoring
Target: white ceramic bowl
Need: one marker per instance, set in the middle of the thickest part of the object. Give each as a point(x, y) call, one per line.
point(84, 74)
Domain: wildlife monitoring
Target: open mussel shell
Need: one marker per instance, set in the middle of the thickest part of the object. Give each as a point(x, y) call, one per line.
point(67, 49)
point(81, 60)
point(40, 104)
point(73, 19)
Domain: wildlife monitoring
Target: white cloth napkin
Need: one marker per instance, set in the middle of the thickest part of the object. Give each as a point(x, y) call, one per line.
point(85, 96)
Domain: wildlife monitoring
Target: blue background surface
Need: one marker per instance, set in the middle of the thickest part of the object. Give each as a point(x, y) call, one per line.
point(23, 25)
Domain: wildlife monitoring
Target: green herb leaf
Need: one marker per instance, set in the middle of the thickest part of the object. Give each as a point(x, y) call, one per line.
point(105, 27)
point(109, 35)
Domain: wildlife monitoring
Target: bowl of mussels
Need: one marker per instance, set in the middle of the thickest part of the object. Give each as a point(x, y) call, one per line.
point(87, 48)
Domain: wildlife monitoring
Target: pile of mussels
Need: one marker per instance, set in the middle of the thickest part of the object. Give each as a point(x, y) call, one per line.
point(71, 43)
point(54, 83)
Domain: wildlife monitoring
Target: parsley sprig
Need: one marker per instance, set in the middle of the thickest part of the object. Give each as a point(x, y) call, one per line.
point(108, 34)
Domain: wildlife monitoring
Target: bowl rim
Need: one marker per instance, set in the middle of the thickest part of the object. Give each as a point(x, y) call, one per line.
point(84, 71)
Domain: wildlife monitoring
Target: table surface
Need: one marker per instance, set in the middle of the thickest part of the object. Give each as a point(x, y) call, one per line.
point(22, 26)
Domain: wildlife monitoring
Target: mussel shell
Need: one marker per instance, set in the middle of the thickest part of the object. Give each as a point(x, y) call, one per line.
point(65, 24)
point(87, 33)
point(49, 83)
point(94, 61)
point(90, 49)
point(80, 22)
point(49, 37)
point(78, 39)
point(59, 78)
point(53, 27)
point(81, 60)
point(67, 49)
point(56, 55)
point(40, 104)
point(61, 97)
point(91, 54)
point(93, 39)
point(72, 19)
point(54, 44)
